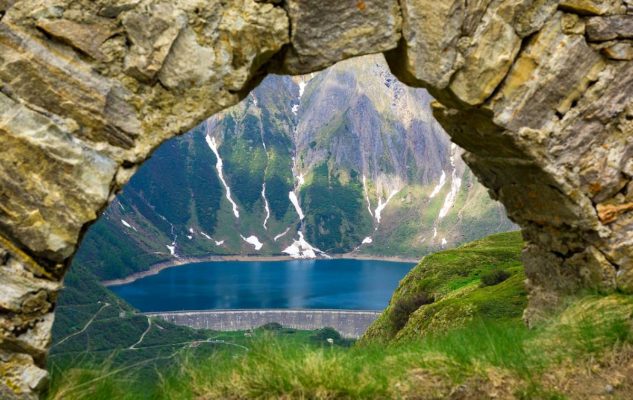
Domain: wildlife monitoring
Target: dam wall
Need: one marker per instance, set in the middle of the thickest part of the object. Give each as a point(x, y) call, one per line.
point(349, 323)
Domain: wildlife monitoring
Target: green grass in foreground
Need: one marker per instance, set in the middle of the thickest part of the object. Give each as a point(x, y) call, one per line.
point(275, 367)
point(462, 333)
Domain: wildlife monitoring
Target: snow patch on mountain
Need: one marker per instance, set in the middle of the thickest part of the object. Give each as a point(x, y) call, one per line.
point(456, 183)
point(172, 247)
point(282, 234)
point(218, 165)
point(265, 205)
point(381, 205)
point(295, 202)
point(126, 224)
point(253, 240)
point(302, 249)
point(439, 186)
point(302, 88)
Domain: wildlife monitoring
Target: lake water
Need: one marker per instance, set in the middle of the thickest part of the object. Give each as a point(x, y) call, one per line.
point(329, 284)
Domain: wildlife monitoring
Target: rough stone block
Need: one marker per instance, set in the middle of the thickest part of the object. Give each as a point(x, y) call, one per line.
point(622, 51)
point(326, 31)
point(550, 73)
point(487, 61)
point(86, 38)
point(593, 7)
point(152, 30)
point(601, 29)
point(51, 185)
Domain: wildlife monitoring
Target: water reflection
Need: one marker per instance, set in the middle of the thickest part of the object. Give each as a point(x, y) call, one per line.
point(336, 284)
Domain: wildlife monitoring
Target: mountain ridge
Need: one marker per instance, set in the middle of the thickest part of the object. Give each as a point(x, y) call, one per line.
point(345, 161)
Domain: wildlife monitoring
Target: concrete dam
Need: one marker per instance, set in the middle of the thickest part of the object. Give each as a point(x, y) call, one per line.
point(349, 323)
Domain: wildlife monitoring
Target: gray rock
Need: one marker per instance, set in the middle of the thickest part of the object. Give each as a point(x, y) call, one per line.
point(152, 29)
point(326, 31)
point(592, 7)
point(622, 51)
point(87, 38)
point(601, 29)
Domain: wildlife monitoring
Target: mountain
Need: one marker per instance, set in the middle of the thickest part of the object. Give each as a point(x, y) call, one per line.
point(348, 160)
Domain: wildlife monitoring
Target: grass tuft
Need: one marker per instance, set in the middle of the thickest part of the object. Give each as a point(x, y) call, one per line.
point(494, 277)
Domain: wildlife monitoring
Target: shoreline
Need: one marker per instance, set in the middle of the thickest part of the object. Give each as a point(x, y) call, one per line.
point(157, 268)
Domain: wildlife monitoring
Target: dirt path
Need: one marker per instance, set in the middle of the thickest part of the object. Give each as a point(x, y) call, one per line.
point(104, 306)
point(149, 327)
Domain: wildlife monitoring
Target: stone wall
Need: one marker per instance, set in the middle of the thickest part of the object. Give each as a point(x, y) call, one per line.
point(538, 93)
point(349, 323)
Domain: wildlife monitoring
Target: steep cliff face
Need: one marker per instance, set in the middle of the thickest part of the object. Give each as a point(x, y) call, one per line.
point(345, 160)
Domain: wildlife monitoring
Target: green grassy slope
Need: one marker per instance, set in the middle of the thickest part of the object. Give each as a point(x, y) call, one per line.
point(93, 325)
point(452, 282)
point(466, 342)
point(99, 338)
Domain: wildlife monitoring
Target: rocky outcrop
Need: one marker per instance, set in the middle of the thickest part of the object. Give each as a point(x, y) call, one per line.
point(87, 90)
point(538, 93)
point(547, 128)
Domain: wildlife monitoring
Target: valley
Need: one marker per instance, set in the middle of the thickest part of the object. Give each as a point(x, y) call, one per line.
point(347, 162)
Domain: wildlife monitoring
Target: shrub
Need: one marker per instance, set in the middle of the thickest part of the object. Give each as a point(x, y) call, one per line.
point(271, 326)
point(405, 306)
point(494, 277)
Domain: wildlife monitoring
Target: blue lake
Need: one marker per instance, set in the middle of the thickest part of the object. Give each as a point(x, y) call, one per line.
point(329, 284)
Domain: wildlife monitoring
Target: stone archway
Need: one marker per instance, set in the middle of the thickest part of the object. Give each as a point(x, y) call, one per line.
point(538, 92)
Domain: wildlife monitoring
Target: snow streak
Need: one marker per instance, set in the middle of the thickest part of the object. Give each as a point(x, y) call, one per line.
point(439, 186)
point(295, 202)
point(265, 205)
point(456, 183)
point(214, 147)
point(172, 247)
point(381, 205)
point(282, 234)
point(302, 88)
point(125, 223)
point(220, 243)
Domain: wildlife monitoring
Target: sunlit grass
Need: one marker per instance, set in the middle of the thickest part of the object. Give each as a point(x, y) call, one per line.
point(278, 368)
